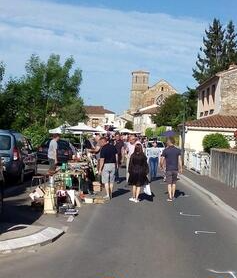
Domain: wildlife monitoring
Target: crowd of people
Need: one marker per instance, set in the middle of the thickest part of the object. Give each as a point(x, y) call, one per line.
point(112, 152)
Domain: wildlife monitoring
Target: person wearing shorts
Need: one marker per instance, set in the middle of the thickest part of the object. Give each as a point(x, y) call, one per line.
point(171, 159)
point(108, 165)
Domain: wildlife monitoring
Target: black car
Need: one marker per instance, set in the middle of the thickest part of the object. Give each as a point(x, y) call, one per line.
point(18, 155)
point(65, 151)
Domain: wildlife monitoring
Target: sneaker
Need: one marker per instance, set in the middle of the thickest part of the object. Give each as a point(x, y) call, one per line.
point(136, 201)
point(131, 199)
point(169, 200)
point(106, 197)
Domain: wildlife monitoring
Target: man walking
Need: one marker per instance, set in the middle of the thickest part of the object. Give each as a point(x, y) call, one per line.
point(119, 145)
point(171, 159)
point(52, 153)
point(108, 165)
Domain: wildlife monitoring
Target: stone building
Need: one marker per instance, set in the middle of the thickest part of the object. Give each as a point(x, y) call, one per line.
point(218, 95)
point(216, 111)
point(145, 100)
point(142, 95)
point(99, 116)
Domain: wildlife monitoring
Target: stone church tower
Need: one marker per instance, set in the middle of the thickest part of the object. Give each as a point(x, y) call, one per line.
point(140, 84)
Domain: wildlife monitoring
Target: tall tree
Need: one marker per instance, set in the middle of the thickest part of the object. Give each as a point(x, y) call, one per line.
point(42, 95)
point(231, 44)
point(212, 57)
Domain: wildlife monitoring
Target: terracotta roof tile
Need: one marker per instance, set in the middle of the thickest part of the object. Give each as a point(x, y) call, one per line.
point(218, 121)
point(97, 110)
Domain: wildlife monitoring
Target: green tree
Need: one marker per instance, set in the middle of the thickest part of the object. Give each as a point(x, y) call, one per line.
point(44, 96)
point(215, 140)
point(231, 44)
point(171, 111)
point(212, 57)
point(190, 99)
point(149, 132)
point(129, 125)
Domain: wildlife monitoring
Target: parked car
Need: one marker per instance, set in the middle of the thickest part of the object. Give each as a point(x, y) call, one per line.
point(64, 152)
point(18, 155)
point(160, 145)
point(2, 182)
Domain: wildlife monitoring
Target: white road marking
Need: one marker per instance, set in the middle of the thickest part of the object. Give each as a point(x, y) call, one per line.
point(191, 215)
point(232, 273)
point(70, 218)
point(204, 232)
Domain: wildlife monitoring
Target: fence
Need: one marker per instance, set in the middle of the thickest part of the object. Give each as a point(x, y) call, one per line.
point(198, 162)
point(224, 166)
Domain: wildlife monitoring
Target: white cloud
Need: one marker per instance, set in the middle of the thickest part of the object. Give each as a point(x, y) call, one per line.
point(107, 44)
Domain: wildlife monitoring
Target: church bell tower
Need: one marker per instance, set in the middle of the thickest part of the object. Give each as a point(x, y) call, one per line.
point(140, 83)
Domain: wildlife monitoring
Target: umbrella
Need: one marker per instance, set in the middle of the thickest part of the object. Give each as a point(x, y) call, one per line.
point(168, 133)
point(81, 127)
point(100, 129)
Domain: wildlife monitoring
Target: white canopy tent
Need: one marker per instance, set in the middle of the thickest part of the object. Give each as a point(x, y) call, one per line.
point(81, 127)
point(100, 129)
point(125, 130)
point(59, 130)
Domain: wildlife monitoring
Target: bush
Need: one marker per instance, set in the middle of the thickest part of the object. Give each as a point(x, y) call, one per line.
point(215, 140)
point(129, 125)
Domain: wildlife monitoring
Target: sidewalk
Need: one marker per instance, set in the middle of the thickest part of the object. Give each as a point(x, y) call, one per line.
point(22, 226)
point(227, 194)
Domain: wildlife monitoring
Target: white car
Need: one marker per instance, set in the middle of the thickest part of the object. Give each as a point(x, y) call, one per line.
point(160, 145)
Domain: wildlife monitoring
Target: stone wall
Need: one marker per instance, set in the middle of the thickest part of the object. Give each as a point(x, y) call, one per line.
point(229, 93)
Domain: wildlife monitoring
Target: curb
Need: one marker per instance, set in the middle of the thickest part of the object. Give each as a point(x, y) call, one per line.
point(46, 236)
point(216, 200)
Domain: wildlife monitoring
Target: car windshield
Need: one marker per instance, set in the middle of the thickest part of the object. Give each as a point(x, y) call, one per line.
point(5, 142)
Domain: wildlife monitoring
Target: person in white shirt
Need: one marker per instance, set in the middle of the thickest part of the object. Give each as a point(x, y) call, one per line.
point(52, 153)
point(153, 157)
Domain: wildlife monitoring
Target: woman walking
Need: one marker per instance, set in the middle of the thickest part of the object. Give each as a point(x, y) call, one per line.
point(138, 170)
point(154, 155)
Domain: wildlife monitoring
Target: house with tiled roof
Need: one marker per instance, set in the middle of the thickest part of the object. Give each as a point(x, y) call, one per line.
point(99, 116)
point(217, 109)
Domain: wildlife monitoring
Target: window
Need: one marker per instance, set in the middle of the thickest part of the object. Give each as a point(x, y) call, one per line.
point(206, 113)
point(208, 94)
point(213, 89)
point(162, 89)
point(95, 122)
point(135, 79)
point(5, 142)
point(203, 97)
point(160, 100)
point(211, 112)
point(201, 114)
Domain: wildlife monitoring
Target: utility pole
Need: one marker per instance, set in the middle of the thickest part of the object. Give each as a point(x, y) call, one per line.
point(183, 128)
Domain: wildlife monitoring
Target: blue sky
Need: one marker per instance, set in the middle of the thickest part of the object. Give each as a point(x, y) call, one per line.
point(109, 39)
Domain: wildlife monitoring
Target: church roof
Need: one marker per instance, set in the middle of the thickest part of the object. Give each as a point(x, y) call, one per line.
point(149, 111)
point(216, 121)
point(159, 83)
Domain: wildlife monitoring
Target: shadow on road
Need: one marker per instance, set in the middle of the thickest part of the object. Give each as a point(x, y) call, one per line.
point(119, 192)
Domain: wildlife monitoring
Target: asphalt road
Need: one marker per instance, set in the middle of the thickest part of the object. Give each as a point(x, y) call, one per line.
point(152, 239)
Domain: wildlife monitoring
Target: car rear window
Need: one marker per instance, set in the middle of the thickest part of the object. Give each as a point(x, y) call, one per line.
point(5, 142)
